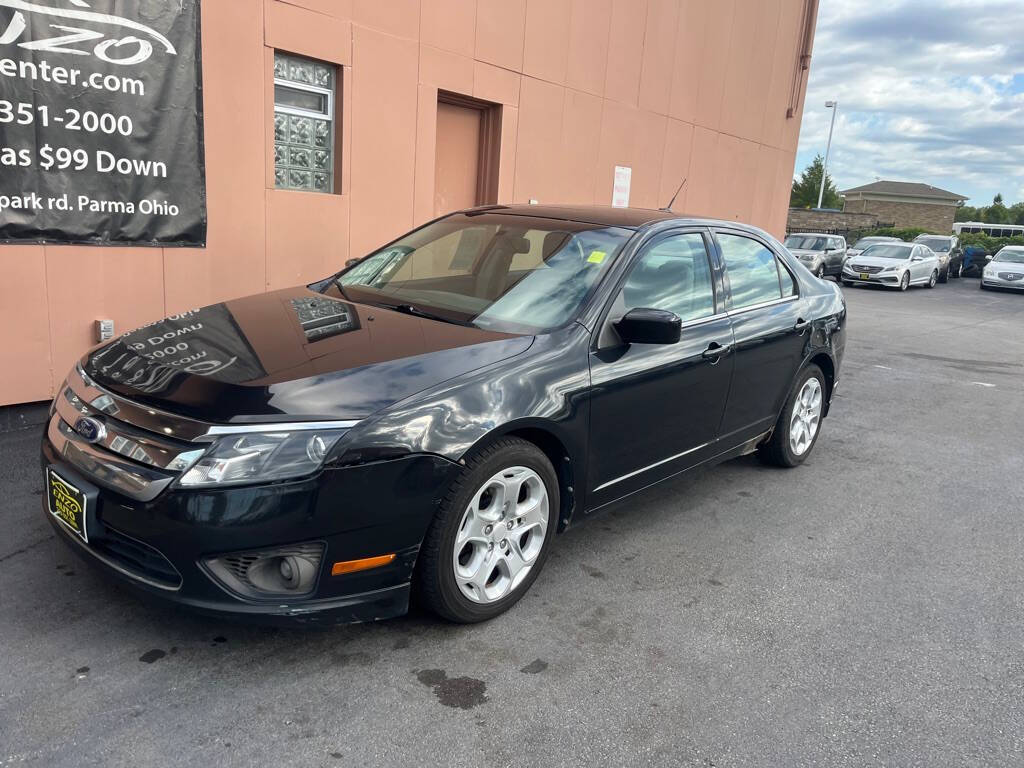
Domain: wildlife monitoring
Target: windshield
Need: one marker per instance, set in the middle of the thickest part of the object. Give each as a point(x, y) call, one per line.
point(804, 243)
point(866, 242)
point(517, 274)
point(937, 244)
point(1010, 257)
point(888, 251)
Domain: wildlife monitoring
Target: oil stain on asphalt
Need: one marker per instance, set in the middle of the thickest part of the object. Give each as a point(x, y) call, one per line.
point(458, 692)
point(150, 656)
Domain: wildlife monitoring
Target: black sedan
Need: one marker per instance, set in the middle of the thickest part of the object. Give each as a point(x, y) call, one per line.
point(425, 421)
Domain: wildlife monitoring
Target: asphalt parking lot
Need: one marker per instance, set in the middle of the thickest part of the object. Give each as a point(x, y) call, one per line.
point(864, 609)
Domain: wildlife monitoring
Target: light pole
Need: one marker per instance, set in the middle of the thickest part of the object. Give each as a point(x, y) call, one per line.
point(834, 106)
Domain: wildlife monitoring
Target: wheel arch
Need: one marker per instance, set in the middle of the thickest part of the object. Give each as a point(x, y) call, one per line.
point(547, 438)
point(824, 361)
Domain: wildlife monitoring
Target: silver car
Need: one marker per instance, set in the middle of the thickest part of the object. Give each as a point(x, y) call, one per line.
point(866, 242)
point(1005, 269)
point(822, 254)
point(894, 265)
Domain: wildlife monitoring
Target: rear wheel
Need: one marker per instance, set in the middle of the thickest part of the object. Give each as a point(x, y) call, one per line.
point(933, 279)
point(492, 534)
point(796, 431)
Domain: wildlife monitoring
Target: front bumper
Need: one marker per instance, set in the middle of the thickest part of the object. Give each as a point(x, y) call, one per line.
point(890, 279)
point(157, 547)
point(995, 281)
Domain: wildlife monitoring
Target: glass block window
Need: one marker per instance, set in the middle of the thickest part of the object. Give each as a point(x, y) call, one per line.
point(304, 92)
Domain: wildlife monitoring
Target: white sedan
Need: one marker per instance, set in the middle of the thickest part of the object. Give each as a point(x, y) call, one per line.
point(894, 265)
point(1005, 269)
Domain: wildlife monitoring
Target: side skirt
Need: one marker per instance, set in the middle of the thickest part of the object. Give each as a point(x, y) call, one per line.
point(742, 449)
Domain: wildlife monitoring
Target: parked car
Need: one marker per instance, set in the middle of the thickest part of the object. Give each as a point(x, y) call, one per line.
point(866, 242)
point(894, 265)
point(822, 254)
point(429, 418)
point(1005, 269)
point(950, 255)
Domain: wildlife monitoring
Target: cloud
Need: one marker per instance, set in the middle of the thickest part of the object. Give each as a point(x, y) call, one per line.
point(928, 90)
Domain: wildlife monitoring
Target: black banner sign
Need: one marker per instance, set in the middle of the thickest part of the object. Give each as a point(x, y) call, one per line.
point(101, 122)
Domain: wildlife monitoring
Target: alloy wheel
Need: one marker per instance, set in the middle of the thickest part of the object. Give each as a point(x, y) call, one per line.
point(501, 534)
point(820, 272)
point(905, 281)
point(803, 424)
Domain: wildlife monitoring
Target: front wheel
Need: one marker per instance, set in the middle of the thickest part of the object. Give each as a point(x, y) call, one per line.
point(933, 279)
point(905, 281)
point(491, 535)
point(944, 277)
point(820, 272)
point(796, 431)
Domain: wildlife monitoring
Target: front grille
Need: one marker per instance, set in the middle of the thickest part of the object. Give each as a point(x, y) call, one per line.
point(138, 559)
point(865, 269)
point(1011, 276)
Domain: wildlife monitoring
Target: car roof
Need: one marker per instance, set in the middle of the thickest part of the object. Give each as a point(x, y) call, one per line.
point(811, 234)
point(604, 215)
point(925, 234)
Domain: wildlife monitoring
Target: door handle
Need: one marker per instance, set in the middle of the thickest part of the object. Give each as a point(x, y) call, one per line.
point(801, 324)
point(715, 352)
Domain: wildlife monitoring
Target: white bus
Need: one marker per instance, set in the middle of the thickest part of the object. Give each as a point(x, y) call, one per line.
point(994, 230)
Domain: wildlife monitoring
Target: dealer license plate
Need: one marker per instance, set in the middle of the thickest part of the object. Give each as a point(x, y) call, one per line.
point(66, 503)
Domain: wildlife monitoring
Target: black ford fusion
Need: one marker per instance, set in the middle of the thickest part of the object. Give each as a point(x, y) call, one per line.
point(424, 422)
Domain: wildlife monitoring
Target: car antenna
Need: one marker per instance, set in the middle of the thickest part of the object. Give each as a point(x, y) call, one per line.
point(669, 206)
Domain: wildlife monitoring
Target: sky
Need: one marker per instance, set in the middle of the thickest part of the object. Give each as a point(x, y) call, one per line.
point(929, 91)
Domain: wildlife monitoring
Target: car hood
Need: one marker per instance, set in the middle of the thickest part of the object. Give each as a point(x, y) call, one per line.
point(875, 261)
point(292, 353)
point(802, 253)
point(1006, 266)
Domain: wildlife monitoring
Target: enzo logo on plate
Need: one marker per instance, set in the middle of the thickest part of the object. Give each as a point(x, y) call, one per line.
point(65, 505)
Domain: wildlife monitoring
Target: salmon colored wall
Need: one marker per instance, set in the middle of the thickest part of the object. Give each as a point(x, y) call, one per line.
point(672, 88)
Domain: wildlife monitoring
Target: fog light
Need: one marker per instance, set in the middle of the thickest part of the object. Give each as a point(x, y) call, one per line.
point(281, 572)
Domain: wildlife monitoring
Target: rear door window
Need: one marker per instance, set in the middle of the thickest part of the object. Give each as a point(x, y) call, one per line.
point(755, 276)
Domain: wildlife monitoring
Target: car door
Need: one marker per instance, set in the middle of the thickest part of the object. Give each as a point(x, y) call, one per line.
point(922, 261)
point(837, 255)
point(770, 329)
point(656, 408)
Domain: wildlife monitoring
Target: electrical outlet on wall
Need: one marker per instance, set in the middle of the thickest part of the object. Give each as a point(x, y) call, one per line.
point(104, 330)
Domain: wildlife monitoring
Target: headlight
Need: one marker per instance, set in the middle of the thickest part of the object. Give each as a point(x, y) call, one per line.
point(261, 456)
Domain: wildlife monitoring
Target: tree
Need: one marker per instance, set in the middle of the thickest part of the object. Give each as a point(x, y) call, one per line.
point(805, 189)
point(966, 213)
point(997, 213)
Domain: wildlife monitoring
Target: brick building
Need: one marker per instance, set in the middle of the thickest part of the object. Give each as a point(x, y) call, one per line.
point(905, 204)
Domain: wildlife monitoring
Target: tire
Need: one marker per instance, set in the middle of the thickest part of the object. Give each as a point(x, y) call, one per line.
point(435, 583)
point(905, 281)
point(820, 272)
point(944, 277)
point(933, 279)
point(981, 285)
point(780, 451)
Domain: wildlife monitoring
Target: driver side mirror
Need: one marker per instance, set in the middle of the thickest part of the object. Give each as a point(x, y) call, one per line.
point(649, 326)
point(917, 258)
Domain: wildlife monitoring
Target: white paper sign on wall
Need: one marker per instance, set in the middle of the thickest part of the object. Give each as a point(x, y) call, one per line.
point(620, 189)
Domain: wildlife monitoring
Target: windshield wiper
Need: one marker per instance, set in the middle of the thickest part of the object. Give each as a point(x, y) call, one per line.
point(410, 309)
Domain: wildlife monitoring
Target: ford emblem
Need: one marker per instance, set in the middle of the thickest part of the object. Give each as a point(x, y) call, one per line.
point(91, 430)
